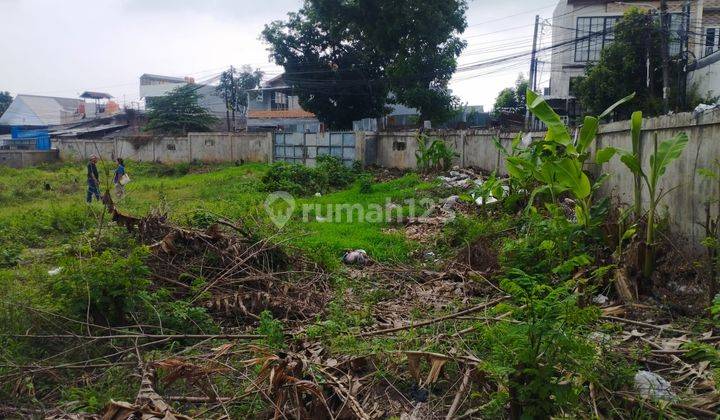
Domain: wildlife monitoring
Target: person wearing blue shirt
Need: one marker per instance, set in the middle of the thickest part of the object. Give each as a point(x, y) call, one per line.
point(119, 172)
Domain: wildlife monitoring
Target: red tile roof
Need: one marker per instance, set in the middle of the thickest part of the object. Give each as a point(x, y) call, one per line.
point(289, 113)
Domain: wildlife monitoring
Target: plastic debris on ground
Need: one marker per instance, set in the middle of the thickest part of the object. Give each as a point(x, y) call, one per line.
point(55, 271)
point(652, 385)
point(357, 257)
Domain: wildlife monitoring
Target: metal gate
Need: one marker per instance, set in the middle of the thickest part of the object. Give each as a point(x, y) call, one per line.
point(306, 147)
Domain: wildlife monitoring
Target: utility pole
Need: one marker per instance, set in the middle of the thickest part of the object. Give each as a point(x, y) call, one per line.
point(233, 96)
point(685, 46)
point(648, 68)
point(665, 54)
point(533, 68)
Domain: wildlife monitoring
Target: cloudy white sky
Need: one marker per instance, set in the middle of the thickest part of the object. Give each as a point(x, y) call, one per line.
point(62, 48)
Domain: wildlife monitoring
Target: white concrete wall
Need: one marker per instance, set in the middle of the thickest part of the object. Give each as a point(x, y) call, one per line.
point(204, 147)
point(687, 192)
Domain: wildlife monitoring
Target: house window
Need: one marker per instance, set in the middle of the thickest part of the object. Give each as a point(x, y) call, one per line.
point(712, 40)
point(677, 26)
point(171, 146)
point(279, 101)
point(592, 35)
point(209, 142)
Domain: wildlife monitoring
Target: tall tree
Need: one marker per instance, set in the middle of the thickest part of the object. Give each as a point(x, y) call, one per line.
point(179, 112)
point(512, 99)
point(233, 87)
point(623, 68)
point(344, 58)
point(5, 101)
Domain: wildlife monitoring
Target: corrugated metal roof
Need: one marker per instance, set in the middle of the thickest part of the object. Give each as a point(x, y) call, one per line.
point(163, 78)
point(38, 110)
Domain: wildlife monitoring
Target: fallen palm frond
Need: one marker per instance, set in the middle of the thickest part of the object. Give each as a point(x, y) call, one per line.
point(232, 274)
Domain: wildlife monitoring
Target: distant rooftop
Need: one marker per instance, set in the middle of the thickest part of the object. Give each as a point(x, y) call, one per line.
point(95, 95)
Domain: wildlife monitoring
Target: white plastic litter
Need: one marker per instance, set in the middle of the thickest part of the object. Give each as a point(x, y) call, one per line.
point(599, 337)
point(55, 271)
point(652, 385)
point(480, 202)
point(317, 194)
point(702, 108)
point(600, 300)
point(450, 202)
point(357, 257)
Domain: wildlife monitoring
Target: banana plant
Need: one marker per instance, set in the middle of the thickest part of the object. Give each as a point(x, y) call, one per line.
point(557, 161)
point(664, 154)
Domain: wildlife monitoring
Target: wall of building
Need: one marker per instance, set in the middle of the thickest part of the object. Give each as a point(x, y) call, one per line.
point(26, 158)
point(706, 78)
point(564, 24)
point(687, 192)
point(204, 147)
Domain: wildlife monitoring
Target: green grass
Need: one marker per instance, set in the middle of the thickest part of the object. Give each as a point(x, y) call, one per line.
point(44, 207)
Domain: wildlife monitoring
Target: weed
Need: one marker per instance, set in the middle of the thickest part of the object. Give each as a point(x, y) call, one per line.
point(433, 154)
point(272, 329)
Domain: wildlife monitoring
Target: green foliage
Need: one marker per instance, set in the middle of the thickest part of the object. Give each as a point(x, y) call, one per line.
point(272, 329)
point(5, 101)
point(296, 179)
point(163, 309)
point(234, 84)
point(547, 243)
point(179, 112)
point(106, 286)
point(365, 184)
point(344, 58)
point(712, 225)
point(513, 99)
point(665, 153)
point(622, 68)
point(112, 385)
point(544, 358)
point(557, 161)
point(433, 154)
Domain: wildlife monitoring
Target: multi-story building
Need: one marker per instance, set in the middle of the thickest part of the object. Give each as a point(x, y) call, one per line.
point(153, 86)
point(581, 28)
point(274, 107)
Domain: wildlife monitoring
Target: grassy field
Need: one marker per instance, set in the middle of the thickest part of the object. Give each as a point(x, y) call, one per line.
point(68, 274)
point(45, 207)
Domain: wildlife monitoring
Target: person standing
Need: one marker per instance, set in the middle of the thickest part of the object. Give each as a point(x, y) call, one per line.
point(93, 180)
point(118, 180)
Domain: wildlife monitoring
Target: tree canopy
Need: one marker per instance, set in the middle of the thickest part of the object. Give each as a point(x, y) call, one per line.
point(5, 101)
point(179, 112)
point(346, 60)
point(234, 85)
point(512, 99)
point(622, 68)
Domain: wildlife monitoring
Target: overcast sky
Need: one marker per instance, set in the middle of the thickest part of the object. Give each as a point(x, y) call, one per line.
point(62, 48)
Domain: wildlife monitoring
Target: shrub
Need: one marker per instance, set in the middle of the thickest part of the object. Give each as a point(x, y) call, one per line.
point(107, 286)
point(330, 173)
point(272, 329)
point(539, 355)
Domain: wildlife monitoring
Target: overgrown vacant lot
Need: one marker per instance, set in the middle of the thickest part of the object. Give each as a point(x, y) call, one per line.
point(185, 297)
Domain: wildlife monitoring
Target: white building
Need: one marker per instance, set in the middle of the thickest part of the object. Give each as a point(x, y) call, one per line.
point(46, 111)
point(153, 86)
point(584, 27)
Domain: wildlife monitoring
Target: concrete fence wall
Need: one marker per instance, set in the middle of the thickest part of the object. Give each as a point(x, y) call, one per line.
point(205, 147)
point(687, 191)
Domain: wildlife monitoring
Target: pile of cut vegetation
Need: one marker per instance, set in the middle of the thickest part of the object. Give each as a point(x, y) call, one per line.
point(234, 273)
